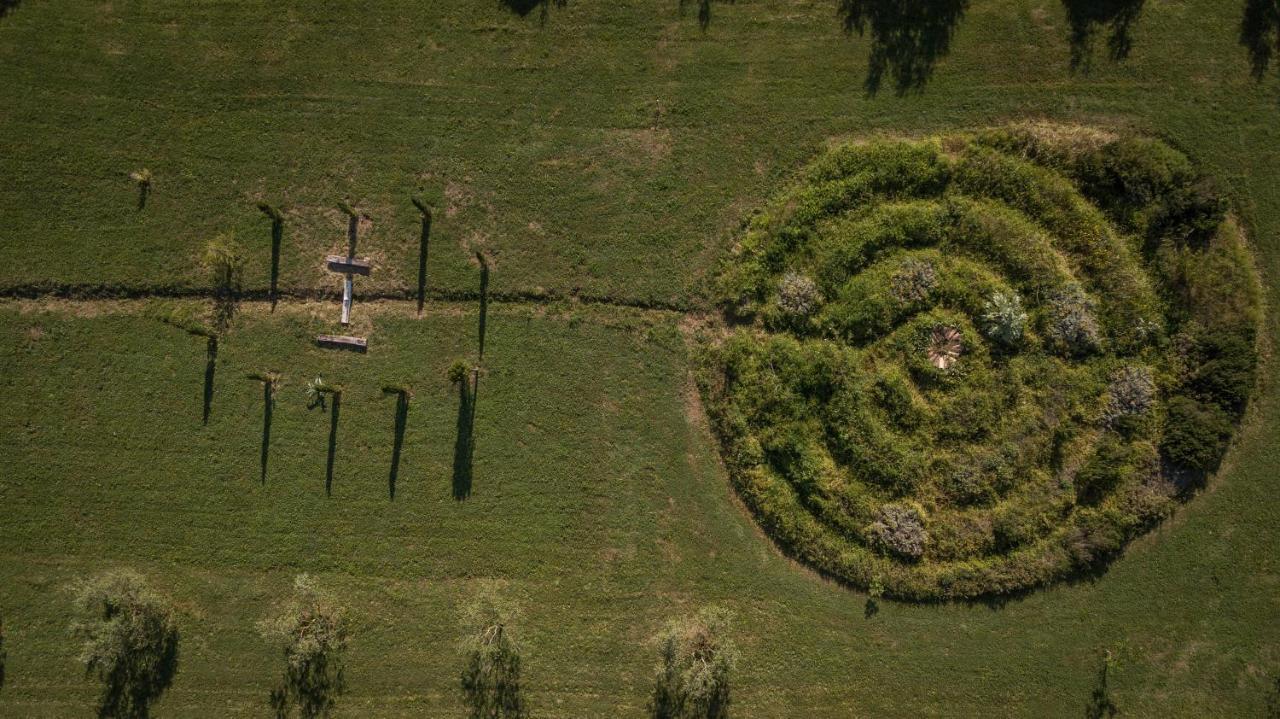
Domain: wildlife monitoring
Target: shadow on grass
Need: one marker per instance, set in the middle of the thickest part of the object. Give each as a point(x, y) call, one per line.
point(402, 419)
point(464, 445)
point(907, 38)
point(1260, 34)
point(704, 11)
point(6, 6)
point(268, 406)
point(277, 234)
point(524, 7)
point(333, 442)
point(484, 300)
point(210, 367)
point(1086, 17)
point(1100, 705)
point(423, 243)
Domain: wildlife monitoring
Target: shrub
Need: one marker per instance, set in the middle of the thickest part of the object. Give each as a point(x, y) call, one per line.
point(1195, 434)
point(312, 632)
point(491, 678)
point(1225, 375)
point(1072, 325)
point(130, 641)
point(1003, 318)
point(798, 296)
point(224, 259)
point(899, 529)
point(693, 674)
point(458, 372)
point(1132, 392)
point(914, 281)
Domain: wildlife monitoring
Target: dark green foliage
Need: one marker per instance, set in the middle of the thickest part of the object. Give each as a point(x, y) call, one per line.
point(130, 642)
point(696, 662)
point(909, 374)
point(313, 633)
point(1195, 433)
point(1260, 33)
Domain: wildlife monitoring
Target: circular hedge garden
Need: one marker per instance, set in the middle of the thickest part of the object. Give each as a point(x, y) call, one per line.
point(969, 365)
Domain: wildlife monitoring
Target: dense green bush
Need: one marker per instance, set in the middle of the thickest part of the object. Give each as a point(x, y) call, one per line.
point(953, 368)
point(1195, 433)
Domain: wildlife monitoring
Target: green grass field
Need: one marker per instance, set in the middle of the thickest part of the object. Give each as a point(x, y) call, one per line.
point(612, 150)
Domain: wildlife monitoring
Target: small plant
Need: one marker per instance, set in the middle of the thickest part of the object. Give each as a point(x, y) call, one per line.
point(1195, 434)
point(914, 281)
point(224, 259)
point(186, 319)
point(317, 389)
point(899, 529)
point(270, 379)
point(945, 346)
point(1003, 318)
point(1071, 322)
point(1101, 705)
point(271, 212)
point(313, 633)
point(696, 661)
point(1132, 392)
point(458, 372)
point(798, 296)
point(142, 178)
point(491, 678)
point(130, 641)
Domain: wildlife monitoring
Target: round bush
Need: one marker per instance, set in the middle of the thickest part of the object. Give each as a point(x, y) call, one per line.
point(973, 402)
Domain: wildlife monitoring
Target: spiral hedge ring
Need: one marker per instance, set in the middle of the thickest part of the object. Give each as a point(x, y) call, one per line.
point(969, 365)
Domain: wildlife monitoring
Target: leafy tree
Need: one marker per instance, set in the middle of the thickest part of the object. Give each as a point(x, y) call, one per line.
point(313, 634)
point(130, 642)
point(693, 674)
point(491, 678)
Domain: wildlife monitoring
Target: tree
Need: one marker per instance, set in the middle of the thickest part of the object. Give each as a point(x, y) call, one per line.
point(312, 631)
point(693, 674)
point(491, 678)
point(130, 642)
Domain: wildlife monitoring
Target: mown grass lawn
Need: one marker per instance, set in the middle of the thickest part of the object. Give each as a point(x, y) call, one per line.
point(612, 149)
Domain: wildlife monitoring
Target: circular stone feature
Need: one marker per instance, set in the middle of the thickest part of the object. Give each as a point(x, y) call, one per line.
point(972, 364)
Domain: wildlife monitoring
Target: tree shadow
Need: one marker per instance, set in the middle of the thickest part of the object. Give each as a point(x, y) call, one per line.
point(1260, 34)
point(139, 679)
point(907, 38)
point(1101, 705)
point(333, 442)
point(464, 445)
point(484, 299)
point(210, 366)
point(1085, 17)
point(402, 418)
point(524, 7)
point(423, 242)
point(7, 6)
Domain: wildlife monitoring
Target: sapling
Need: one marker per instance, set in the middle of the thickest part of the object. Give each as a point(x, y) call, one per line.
point(142, 178)
point(311, 630)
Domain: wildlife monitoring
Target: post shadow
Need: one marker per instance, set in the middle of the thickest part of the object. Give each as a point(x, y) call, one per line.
point(907, 39)
point(484, 299)
point(402, 419)
point(277, 234)
point(1260, 34)
point(464, 444)
point(1086, 17)
point(210, 366)
point(333, 442)
point(144, 188)
point(422, 252)
point(268, 405)
point(524, 7)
